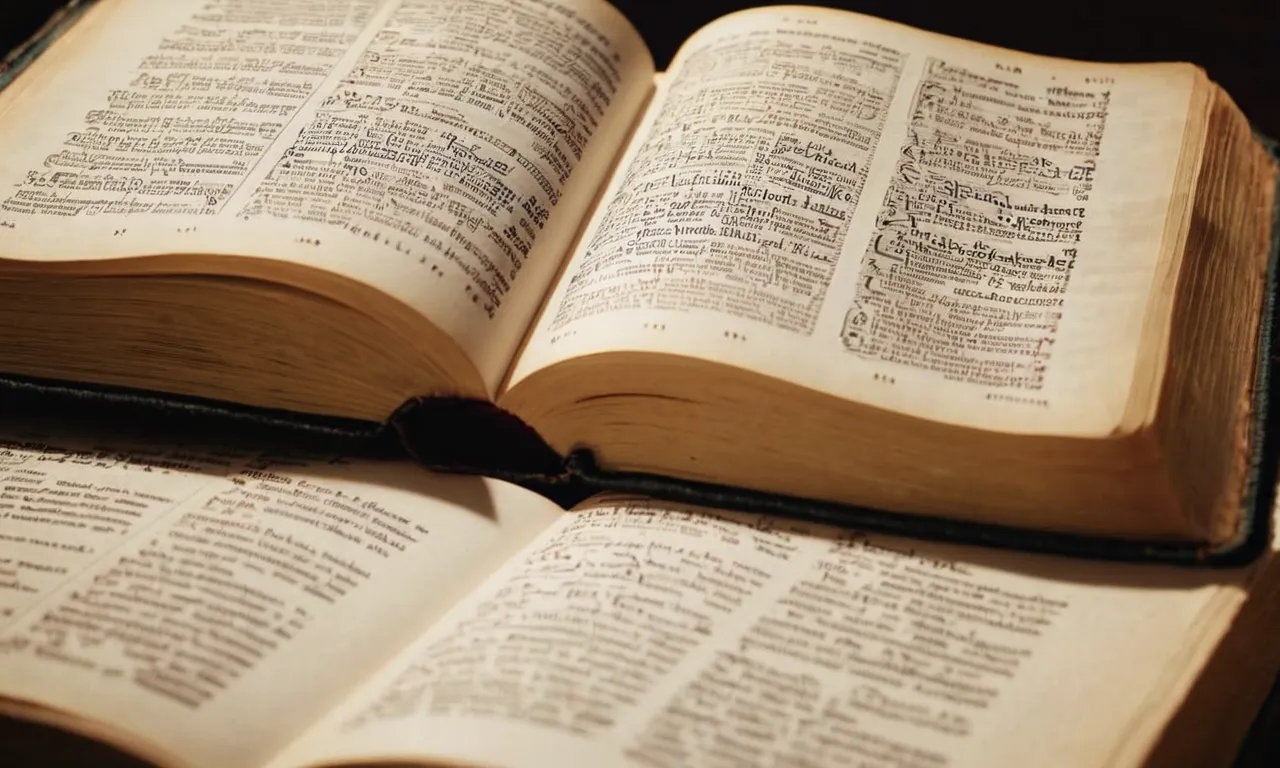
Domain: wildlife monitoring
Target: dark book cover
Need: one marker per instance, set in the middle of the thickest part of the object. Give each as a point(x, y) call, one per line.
point(20, 57)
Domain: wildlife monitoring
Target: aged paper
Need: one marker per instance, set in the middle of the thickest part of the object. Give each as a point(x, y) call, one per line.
point(948, 230)
point(174, 595)
point(633, 632)
point(444, 153)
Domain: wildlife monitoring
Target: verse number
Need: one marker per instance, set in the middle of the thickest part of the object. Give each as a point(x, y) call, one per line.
point(563, 336)
point(431, 267)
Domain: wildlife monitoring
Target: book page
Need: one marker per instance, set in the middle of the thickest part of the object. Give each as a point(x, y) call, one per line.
point(642, 634)
point(931, 226)
point(444, 153)
point(203, 607)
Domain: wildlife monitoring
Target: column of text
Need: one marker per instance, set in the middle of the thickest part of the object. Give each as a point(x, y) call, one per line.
point(62, 508)
point(198, 113)
point(451, 140)
point(740, 198)
point(208, 597)
point(967, 271)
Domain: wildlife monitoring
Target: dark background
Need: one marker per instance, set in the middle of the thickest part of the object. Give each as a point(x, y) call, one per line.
point(1236, 41)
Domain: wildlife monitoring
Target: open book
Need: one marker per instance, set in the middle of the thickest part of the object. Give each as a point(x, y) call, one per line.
point(202, 607)
point(825, 257)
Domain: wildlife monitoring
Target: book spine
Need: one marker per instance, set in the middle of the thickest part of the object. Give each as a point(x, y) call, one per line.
point(464, 436)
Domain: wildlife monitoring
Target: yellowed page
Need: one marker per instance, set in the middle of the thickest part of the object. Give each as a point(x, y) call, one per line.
point(203, 607)
point(637, 633)
point(444, 153)
point(912, 221)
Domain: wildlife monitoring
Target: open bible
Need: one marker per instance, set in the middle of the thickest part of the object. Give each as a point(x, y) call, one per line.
point(197, 606)
point(823, 259)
